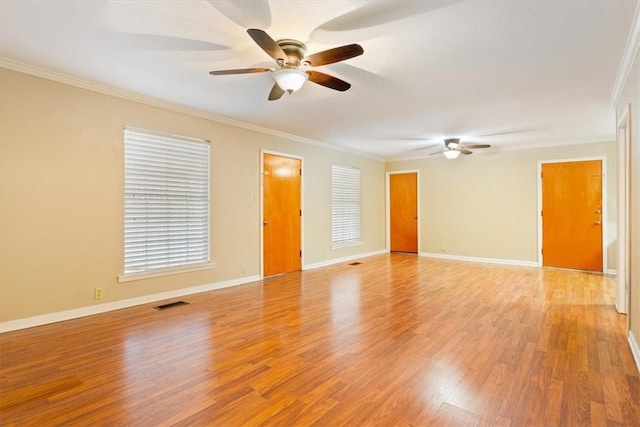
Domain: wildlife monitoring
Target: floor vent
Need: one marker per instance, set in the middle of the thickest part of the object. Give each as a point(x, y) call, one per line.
point(170, 305)
point(355, 263)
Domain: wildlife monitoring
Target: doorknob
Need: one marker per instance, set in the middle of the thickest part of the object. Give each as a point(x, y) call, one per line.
point(598, 211)
point(597, 222)
point(265, 223)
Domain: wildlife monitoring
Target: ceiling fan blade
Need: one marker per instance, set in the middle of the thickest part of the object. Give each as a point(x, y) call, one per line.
point(435, 153)
point(477, 146)
point(267, 44)
point(328, 81)
point(377, 13)
point(336, 54)
point(427, 147)
point(510, 132)
point(276, 92)
point(465, 151)
point(141, 41)
point(247, 14)
point(239, 71)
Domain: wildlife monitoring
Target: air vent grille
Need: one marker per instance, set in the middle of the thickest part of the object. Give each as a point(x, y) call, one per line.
point(170, 305)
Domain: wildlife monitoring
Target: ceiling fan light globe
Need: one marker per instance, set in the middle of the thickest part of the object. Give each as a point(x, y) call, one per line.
point(451, 154)
point(290, 79)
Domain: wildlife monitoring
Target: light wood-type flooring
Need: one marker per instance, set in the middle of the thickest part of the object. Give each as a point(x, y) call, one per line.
point(396, 340)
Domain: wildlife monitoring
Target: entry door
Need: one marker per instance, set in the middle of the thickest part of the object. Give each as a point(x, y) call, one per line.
point(403, 212)
point(572, 215)
point(281, 214)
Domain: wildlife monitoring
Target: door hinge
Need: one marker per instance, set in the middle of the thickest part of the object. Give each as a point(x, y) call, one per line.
point(300, 172)
point(540, 213)
point(300, 254)
point(540, 174)
point(300, 212)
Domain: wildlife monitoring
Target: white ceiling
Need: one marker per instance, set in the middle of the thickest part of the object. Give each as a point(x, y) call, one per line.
point(509, 73)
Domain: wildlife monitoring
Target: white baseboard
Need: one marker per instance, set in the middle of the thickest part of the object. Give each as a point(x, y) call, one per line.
point(483, 260)
point(343, 259)
point(635, 349)
point(60, 316)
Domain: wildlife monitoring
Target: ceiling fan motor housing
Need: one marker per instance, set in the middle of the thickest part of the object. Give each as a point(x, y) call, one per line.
point(295, 51)
point(452, 143)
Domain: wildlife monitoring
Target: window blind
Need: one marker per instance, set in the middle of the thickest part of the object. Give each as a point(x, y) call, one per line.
point(345, 205)
point(166, 206)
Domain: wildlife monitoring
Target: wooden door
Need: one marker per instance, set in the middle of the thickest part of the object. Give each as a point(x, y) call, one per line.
point(572, 215)
point(281, 214)
point(403, 212)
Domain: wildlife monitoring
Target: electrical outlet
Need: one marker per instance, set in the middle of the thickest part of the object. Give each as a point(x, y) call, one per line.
point(97, 293)
point(443, 248)
point(244, 268)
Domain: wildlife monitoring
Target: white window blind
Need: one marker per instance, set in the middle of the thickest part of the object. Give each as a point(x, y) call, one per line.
point(345, 205)
point(166, 206)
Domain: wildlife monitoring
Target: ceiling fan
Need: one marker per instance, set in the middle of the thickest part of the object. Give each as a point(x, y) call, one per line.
point(453, 148)
point(292, 70)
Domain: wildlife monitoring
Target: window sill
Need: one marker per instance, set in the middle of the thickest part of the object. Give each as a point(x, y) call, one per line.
point(130, 277)
point(346, 245)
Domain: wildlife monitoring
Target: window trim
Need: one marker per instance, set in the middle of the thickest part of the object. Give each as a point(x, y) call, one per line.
point(131, 277)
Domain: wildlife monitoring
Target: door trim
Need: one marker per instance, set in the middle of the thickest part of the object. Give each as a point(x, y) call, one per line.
point(623, 147)
point(605, 220)
point(261, 228)
point(388, 205)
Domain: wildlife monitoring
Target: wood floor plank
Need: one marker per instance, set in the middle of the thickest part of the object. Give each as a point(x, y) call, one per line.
point(40, 391)
point(452, 416)
point(397, 340)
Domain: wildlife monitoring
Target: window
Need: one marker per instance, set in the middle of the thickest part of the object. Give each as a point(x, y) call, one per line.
point(166, 202)
point(345, 206)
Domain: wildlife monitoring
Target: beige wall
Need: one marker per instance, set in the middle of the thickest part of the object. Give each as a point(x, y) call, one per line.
point(61, 196)
point(631, 96)
point(486, 205)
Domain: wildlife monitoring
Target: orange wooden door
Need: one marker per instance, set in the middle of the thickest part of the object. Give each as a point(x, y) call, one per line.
point(281, 214)
point(572, 215)
point(403, 210)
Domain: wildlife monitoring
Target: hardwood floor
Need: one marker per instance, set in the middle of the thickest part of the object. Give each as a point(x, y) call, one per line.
point(397, 340)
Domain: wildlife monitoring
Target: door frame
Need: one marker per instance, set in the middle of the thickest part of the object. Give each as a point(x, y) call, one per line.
point(603, 161)
point(388, 205)
point(623, 146)
point(260, 224)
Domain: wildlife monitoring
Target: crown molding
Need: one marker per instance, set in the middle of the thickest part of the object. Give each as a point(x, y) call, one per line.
point(70, 80)
point(629, 55)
